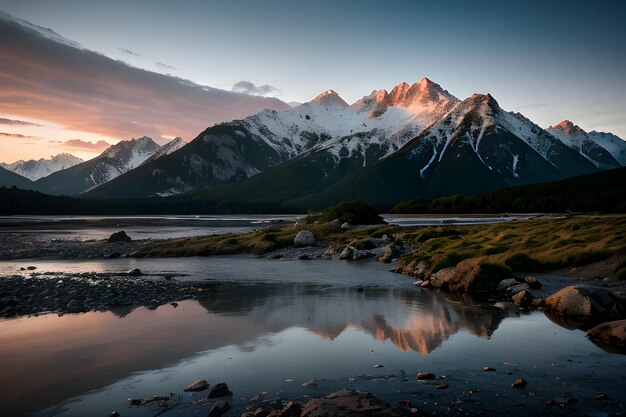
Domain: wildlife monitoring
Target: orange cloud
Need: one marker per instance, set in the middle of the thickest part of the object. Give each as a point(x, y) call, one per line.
point(44, 79)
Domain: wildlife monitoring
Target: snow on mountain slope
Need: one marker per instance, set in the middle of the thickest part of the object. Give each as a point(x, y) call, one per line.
point(170, 147)
point(328, 123)
point(576, 138)
point(35, 169)
point(615, 145)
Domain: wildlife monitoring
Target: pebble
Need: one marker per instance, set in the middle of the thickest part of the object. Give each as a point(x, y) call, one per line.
point(519, 383)
point(421, 376)
point(378, 366)
point(219, 408)
point(199, 385)
point(443, 386)
point(603, 397)
point(488, 369)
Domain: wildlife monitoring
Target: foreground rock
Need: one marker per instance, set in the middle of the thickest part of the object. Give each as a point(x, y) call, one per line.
point(219, 390)
point(304, 238)
point(612, 333)
point(119, 237)
point(348, 403)
point(585, 304)
point(351, 253)
point(199, 385)
point(469, 276)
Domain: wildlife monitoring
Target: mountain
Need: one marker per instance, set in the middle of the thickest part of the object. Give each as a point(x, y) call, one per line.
point(615, 145)
point(114, 161)
point(477, 147)
point(170, 147)
point(576, 138)
point(35, 169)
point(338, 138)
point(11, 179)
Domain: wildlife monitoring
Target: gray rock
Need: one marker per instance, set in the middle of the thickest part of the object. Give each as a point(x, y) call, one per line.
point(219, 390)
point(347, 253)
point(135, 272)
point(523, 298)
point(304, 238)
point(518, 288)
point(219, 408)
point(119, 237)
point(533, 283)
point(505, 284)
point(346, 226)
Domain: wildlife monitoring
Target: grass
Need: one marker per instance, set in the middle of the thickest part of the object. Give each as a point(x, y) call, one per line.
point(539, 244)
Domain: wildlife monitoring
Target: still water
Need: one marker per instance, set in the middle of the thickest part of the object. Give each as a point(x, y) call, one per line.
point(271, 325)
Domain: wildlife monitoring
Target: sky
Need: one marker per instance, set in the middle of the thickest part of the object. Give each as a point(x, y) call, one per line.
point(550, 60)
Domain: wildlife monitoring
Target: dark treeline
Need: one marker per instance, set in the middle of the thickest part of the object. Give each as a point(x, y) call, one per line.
point(602, 192)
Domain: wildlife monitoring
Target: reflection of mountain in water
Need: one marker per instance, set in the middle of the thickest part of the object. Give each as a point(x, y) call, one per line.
point(412, 319)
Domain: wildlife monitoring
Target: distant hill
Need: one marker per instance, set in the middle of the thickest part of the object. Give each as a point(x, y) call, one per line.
point(11, 179)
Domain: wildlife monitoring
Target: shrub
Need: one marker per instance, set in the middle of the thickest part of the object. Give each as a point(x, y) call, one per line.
point(523, 263)
point(352, 211)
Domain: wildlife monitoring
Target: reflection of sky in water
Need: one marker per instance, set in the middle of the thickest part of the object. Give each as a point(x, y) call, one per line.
point(254, 337)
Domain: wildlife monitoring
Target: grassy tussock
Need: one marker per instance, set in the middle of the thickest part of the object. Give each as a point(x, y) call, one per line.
point(525, 245)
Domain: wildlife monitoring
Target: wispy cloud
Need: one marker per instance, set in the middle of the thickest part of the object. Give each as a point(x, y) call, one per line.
point(82, 145)
point(248, 87)
point(129, 52)
point(17, 135)
point(531, 106)
point(165, 66)
point(82, 90)
point(13, 122)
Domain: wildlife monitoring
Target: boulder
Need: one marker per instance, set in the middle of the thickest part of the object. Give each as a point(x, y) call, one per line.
point(588, 303)
point(505, 284)
point(199, 385)
point(523, 298)
point(390, 252)
point(219, 390)
point(533, 283)
point(348, 403)
point(361, 254)
point(304, 238)
point(611, 333)
point(346, 226)
point(347, 253)
point(423, 376)
point(469, 276)
point(119, 237)
point(291, 409)
point(219, 408)
point(518, 288)
point(135, 272)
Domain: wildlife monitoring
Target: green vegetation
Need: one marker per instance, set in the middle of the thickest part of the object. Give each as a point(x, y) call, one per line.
point(352, 211)
point(540, 244)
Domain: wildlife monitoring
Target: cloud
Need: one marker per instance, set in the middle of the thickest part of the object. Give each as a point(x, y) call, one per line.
point(165, 66)
point(13, 122)
point(129, 52)
point(248, 87)
point(17, 135)
point(82, 145)
point(82, 90)
point(530, 106)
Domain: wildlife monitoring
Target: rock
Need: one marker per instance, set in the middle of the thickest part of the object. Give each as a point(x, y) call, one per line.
point(488, 369)
point(31, 268)
point(418, 283)
point(505, 284)
point(443, 386)
point(75, 306)
point(219, 390)
point(199, 385)
point(115, 414)
point(291, 409)
point(603, 397)
point(610, 333)
point(219, 408)
point(112, 255)
point(134, 401)
point(350, 403)
point(519, 383)
point(346, 226)
point(585, 303)
point(518, 288)
point(425, 284)
point(523, 298)
point(361, 254)
point(310, 383)
point(135, 272)
point(422, 376)
point(119, 237)
point(379, 366)
point(347, 253)
point(469, 276)
point(533, 283)
point(304, 238)
point(390, 252)
point(261, 412)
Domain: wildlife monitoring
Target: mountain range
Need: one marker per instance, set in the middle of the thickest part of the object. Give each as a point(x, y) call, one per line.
point(35, 169)
point(414, 141)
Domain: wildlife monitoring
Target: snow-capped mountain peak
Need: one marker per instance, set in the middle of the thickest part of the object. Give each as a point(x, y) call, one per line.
point(35, 169)
point(330, 97)
point(170, 147)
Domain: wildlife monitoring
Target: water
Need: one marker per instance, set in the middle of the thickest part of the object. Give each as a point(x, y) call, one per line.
point(271, 325)
point(85, 228)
